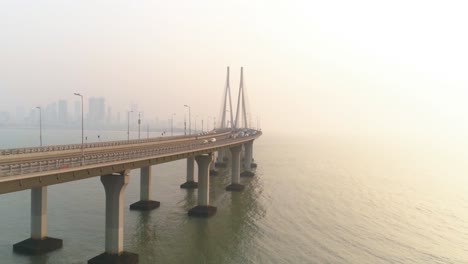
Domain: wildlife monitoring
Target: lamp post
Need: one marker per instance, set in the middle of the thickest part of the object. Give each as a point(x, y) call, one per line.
point(128, 124)
point(40, 125)
point(189, 119)
point(82, 129)
point(139, 124)
point(185, 124)
point(172, 124)
point(208, 124)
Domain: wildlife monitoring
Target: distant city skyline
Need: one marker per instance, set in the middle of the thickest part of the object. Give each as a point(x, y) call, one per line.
point(97, 115)
point(309, 65)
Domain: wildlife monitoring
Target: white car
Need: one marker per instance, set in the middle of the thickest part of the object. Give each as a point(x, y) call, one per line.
point(212, 139)
point(205, 141)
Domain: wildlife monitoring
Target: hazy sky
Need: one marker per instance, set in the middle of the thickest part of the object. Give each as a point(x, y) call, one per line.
point(331, 66)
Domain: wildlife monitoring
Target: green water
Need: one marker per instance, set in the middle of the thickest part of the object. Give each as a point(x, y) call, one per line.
point(320, 200)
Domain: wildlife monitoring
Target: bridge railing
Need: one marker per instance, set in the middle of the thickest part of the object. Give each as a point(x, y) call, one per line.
point(15, 151)
point(91, 159)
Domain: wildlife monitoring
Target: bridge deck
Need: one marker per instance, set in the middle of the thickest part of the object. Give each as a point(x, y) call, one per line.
point(25, 171)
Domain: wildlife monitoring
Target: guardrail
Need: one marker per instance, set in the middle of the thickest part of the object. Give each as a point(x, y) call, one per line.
point(20, 168)
point(16, 151)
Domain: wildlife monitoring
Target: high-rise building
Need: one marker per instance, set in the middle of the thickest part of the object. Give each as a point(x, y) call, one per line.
point(96, 112)
point(77, 111)
point(109, 115)
point(62, 112)
point(4, 118)
point(20, 115)
point(50, 113)
point(118, 118)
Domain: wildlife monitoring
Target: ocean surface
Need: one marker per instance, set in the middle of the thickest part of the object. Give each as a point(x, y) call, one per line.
point(315, 199)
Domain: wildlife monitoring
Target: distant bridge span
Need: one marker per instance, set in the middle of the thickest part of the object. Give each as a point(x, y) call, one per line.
point(42, 168)
point(36, 168)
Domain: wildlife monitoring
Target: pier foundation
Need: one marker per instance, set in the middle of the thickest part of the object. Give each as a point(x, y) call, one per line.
point(248, 160)
point(190, 183)
point(203, 209)
point(221, 160)
point(114, 186)
point(235, 173)
point(145, 203)
point(39, 242)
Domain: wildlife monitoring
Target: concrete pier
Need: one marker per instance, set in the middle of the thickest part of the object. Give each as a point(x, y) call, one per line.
point(235, 173)
point(39, 243)
point(145, 203)
point(114, 185)
point(213, 171)
point(190, 183)
point(203, 209)
point(221, 160)
point(248, 160)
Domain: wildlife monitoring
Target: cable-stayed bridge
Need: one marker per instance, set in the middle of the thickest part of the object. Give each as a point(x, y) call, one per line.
point(36, 168)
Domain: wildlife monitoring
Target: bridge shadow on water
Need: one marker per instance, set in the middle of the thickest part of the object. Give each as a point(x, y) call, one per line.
point(169, 235)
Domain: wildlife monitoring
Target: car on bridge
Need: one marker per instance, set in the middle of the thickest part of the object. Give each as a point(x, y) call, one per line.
point(212, 140)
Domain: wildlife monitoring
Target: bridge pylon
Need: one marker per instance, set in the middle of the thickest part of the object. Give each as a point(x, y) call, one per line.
point(241, 120)
point(226, 121)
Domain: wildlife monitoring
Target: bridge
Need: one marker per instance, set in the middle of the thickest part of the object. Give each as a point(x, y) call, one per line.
point(35, 168)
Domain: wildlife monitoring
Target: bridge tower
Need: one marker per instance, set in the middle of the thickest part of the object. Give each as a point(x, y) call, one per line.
point(226, 121)
point(227, 100)
point(241, 120)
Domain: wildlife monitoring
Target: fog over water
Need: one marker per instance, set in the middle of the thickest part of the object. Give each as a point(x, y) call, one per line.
point(362, 104)
point(325, 200)
point(394, 68)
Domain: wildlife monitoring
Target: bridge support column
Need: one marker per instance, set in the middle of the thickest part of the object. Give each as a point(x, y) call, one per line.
point(221, 159)
point(235, 173)
point(145, 203)
point(203, 209)
point(39, 243)
point(190, 183)
point(248, 160)
point(213, 171)
point(114, 185)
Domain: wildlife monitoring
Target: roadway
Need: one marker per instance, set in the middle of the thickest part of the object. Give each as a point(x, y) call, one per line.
point(28, 170)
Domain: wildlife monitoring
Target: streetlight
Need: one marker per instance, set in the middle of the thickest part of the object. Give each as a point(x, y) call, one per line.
point(40, 125)
point(128, 124)
point(139, 124)
point(82, 129)
point(185, 124)
point(189, 119)
point(172, 123)
point(196, 116)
